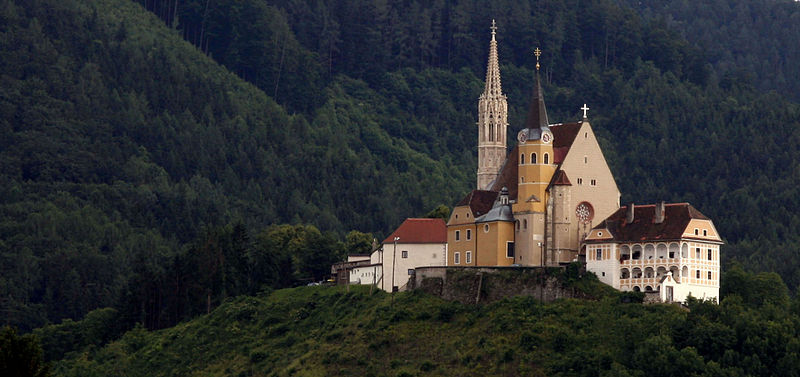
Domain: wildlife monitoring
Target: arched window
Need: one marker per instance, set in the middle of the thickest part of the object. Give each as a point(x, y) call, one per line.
point(524, 224)
point(522, 158)
point(533, 158)
point(491, 132)
point(546, 159)
point(517, 223)
point(637, 252)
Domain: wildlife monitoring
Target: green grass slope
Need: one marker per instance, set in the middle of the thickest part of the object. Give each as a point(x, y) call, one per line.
point(324, 331)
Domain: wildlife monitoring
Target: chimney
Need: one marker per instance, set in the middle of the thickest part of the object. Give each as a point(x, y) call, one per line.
point(629, 216)
point(659, 212)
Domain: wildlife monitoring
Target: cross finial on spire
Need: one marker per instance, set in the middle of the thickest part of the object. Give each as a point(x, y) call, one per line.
point(585, 110)
point(538, 53)
point(493, 28)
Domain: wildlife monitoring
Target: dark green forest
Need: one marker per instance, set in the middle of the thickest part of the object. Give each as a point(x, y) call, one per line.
point(158, 157)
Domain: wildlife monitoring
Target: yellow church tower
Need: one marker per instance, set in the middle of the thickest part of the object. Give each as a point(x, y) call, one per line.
point(536, 167)
point(492, 121)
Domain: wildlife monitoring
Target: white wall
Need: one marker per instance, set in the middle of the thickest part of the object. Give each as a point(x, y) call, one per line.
point(419, 255)
point(606, 269)
point(366, 274)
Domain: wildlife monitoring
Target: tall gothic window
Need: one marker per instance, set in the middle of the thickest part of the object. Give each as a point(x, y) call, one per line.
point(546, 159)
point(533, 158)
point(522, 159)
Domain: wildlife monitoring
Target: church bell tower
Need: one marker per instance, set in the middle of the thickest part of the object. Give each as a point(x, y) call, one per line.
point(492, 121)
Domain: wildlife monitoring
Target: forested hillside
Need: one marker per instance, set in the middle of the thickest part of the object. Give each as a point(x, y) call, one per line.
point(755, 40)
point(149, 150)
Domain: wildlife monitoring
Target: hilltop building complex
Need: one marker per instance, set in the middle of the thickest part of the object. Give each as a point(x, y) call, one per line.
point(553, 200)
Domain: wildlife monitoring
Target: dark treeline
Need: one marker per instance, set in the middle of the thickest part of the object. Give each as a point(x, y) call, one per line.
point(756, 39)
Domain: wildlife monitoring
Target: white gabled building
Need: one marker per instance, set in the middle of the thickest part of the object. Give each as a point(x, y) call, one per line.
point(420, 243)
point(672, 249)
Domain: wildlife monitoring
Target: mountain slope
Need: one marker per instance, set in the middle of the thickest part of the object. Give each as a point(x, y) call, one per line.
point(121, 143)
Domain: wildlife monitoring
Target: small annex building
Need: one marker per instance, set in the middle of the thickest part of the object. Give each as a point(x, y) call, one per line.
point(417, 242)
point(672, 249)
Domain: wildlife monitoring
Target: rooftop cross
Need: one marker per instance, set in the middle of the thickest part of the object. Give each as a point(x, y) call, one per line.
point(585, 110)
point(493, 28)
point(538, 53)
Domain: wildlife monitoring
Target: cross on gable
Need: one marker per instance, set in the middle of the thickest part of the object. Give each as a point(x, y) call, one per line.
point(585, 110)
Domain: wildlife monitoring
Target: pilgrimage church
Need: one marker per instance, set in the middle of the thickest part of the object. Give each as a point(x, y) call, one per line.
point(552, 200)
point(535, 205)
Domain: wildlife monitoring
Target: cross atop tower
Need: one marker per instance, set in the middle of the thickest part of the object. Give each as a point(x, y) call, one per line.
point(538, 53)
point(585, 110)
point(493, 28)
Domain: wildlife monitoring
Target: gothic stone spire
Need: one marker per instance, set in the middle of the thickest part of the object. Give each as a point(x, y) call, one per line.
point(493, 87)
point(492, 120)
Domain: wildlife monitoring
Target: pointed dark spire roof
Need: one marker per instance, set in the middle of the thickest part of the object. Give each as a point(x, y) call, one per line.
point(537, 113)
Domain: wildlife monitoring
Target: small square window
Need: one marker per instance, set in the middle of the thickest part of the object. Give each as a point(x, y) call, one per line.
point(671, 254)
point(405, 254)
point(411, 271)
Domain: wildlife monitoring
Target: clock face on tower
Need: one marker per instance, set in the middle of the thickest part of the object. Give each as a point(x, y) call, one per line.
point(522, 136)
point(584, 212)
point(547, 137)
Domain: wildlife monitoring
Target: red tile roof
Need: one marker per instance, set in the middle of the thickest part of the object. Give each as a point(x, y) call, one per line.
point(560, 179)
point(420, 231)
point(563, 137)
point(479, 201)
point(564, 134)
point(643, 227)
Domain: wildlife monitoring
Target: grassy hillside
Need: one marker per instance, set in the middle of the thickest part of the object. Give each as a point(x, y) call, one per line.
point(321, 331)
